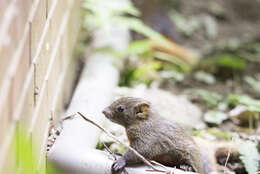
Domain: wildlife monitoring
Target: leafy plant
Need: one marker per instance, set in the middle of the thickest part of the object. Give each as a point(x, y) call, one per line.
point(211, 98)
point(138, 47)
point(203, 134)
point(248, 152)
point(249, 155)
point(253, 83)
point(231, 61)
point(219, 133)
point(211, 134)
point(25, 157)
point(143, 73)
point(105, 14)
point(225, 61)
point(215, 117)
point(181, 66)
point(172, 74)
point(251, 104)
point(205, 77)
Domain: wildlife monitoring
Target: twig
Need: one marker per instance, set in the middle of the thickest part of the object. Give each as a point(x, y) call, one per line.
point(159, 164)
point(114, 156)
point(124, 144)
point(68, 117)
point(229, 152)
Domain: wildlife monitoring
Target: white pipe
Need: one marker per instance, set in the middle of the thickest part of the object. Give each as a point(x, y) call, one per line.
point(92, 161)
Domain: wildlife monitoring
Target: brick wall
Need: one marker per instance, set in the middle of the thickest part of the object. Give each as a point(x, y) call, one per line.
point(36, 45)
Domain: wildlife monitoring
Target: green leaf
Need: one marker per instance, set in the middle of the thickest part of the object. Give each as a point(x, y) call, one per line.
point(253, 83)
point(146, 68)
point(172, 75)
point(25, 155)
point(251, 104)
point(106, 14)
point(249, 155)
point(137, 25)
point(183, 67)
point(111, 7)
point(210, 97)
point(205, 77)
point(215, 132)
point(137, 48)
point(215, 117)
point(231, 62)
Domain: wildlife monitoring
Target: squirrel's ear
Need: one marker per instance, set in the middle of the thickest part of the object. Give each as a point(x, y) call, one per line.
point(142, 110)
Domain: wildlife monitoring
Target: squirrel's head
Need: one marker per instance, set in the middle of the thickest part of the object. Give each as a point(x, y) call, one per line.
point(127, 110)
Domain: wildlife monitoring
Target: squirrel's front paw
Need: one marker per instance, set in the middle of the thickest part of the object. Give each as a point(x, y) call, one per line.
point(186, 168)
point(118, 166)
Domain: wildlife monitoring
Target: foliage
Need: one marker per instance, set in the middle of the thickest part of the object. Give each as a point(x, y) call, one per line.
point(186, 26)
point(231, 62)
point(248, 152)
point(103, 145)
point(172, 74)
point(251, 104)
point(211, 98)
point(25, 157)
point(180, 65)
point(215, 117)
point(139, 47)
point(104, 14)
point(203, 134)
point(107, 15)
point(27, 162)
point(253, 83)
point(212, 134)
point(205, 77)
point(146, 65)
point(143, 73)
point(249, 155)
point(226, 61)
point(219, 133)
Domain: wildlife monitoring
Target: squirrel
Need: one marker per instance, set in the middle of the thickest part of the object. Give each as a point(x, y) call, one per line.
point(152, 136)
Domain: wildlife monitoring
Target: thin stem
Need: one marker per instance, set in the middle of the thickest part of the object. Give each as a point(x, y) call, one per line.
point(124, 144)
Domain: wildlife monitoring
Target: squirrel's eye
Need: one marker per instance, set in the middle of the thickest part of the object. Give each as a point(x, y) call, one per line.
point(120, 109)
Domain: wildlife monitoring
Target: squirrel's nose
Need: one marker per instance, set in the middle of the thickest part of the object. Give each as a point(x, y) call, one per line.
point(106, 112)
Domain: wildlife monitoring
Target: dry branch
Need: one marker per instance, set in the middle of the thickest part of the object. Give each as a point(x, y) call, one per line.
point(124, 144)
